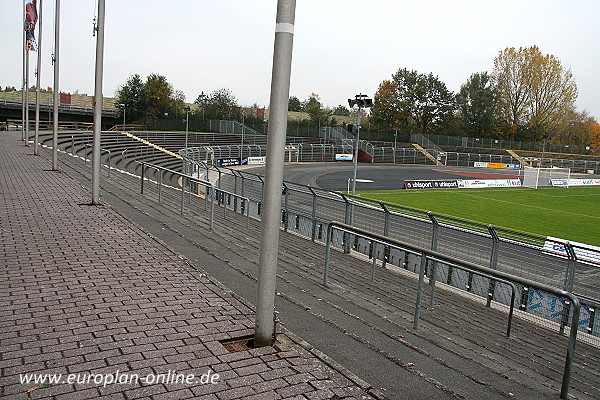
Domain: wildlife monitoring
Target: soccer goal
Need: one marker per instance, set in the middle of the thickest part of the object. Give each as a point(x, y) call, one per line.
point(534, 177)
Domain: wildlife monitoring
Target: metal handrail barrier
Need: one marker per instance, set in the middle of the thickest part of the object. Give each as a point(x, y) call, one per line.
point(185, 180)
point(224, 197)
point(458, 265)
point(213, 194)
point(436, 256)
point(109, 159)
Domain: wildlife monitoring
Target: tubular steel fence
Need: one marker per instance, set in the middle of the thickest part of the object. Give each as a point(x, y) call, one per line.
point(188, 193)
point(338, 236)
point(401, 155)
point(307, 211)
point(488, 143)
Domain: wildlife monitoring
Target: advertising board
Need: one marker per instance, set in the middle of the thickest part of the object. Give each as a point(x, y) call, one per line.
point(343, 157)
point(495, 165)
point(254, 160)
point(229, 162)
point(488, 183)
point(584, 252)
point(433, 184)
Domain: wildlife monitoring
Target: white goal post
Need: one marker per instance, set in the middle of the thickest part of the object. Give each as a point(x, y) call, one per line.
point(534, 177)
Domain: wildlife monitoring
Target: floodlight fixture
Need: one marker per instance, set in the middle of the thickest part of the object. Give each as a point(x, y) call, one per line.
point(362, 101)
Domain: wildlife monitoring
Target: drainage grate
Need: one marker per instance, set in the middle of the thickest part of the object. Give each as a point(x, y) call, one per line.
point(242, 343)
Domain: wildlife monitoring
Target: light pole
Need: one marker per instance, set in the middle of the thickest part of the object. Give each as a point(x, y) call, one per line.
point(362, 101)
point(395, 137)
point(121, 105)
point(242, 144)
point(202, 98)
point(187, 124)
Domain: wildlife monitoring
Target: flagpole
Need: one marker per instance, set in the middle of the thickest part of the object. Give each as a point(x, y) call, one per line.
point(269, 235)
point(27, 96)
point(23, 85)
point(37, 82)
point(98, 105)
point(56, 98)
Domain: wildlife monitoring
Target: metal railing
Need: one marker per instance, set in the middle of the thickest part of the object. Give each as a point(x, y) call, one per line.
point(305, 210)
point(470, 142)
point(191, 188)
point(485, 272)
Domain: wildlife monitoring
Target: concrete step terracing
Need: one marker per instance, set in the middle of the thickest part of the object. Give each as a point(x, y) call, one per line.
point(461, 351)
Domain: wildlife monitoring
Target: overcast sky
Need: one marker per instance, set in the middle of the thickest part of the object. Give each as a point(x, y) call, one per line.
point(341, 47)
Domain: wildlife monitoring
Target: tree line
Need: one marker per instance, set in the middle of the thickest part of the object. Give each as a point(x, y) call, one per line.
point(528, 96)
point(147, 101)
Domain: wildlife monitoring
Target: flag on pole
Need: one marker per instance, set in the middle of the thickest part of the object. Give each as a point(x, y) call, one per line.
point(31, 18)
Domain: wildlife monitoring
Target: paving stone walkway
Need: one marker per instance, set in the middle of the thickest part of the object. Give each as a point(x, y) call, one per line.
point(97, 303)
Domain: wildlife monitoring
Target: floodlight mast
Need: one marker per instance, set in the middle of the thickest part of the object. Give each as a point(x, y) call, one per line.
point(362, 101)
point(187, 124)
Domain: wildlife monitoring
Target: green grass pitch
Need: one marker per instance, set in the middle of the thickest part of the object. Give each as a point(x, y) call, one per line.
point(568, 213)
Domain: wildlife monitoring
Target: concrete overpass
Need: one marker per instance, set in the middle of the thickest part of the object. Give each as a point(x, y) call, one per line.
point(11, 109)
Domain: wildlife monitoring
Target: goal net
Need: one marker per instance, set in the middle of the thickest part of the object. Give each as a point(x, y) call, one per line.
point(534, 177)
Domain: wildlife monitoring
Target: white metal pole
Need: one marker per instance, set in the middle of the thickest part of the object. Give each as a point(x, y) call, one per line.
point(187, 125)
point(269, 238)
point(27, 97)
point(37, 82)
point(355, 166)
point(24, 83)
point(242, 145)
point(98, 104)
point(56, 98)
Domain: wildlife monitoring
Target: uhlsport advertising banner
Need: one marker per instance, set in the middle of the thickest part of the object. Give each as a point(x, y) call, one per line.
point(461, 184)
point(433, 184)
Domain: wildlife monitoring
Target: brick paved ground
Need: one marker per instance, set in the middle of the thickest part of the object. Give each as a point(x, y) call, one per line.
point(85, 292)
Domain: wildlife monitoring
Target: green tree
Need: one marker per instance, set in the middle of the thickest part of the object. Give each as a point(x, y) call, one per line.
point(477, 102)
point(341, 110)
point(423, 100)
point(221, 104)
point(314, 108)
point(294, 104)
point(132, 96)
point(177, 104)
point(158, 92)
